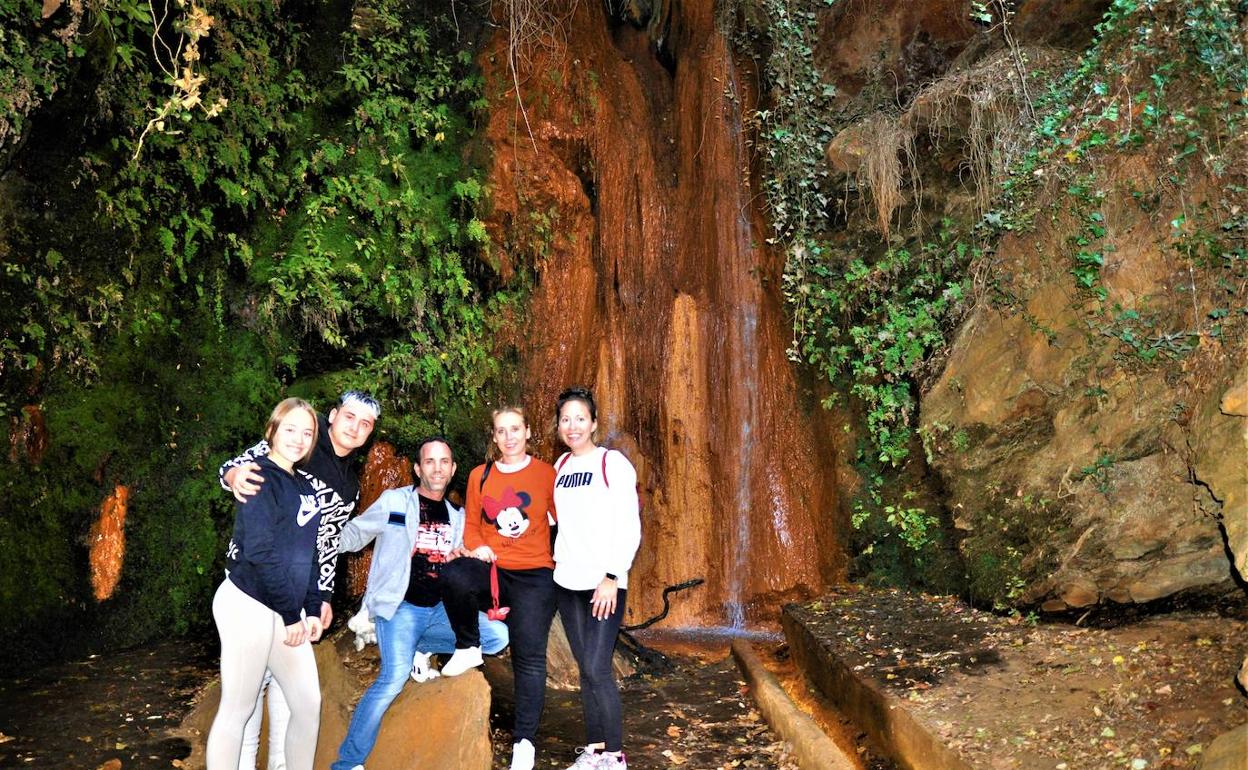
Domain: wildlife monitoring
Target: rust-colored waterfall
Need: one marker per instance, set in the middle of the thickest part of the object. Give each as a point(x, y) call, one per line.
point(108, 543)
point(657, 288)
point(28, 435)
point(384, 469)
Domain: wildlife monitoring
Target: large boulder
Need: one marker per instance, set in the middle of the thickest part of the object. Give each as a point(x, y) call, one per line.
point(1228, 751)
point(440, 723)
point(1220, 460)
point(1078, 471)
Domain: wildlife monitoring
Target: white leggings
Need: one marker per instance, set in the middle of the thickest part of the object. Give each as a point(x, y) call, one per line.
point(279, 717)
point(253, 640)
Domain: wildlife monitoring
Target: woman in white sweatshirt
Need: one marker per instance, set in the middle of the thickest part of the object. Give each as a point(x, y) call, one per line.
point(599, 531)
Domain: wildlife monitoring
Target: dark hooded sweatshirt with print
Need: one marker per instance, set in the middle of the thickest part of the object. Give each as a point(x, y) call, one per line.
point(273, 552)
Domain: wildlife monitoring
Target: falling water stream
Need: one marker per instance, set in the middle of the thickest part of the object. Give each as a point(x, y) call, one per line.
point(667, 304)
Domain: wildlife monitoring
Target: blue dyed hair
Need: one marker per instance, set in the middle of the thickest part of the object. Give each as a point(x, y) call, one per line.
point(361, 399)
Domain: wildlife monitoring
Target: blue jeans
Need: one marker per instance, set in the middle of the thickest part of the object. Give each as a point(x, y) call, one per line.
point(412, 629)
point(592, 642)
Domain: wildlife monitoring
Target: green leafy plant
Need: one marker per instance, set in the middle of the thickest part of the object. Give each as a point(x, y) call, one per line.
point(318, 233)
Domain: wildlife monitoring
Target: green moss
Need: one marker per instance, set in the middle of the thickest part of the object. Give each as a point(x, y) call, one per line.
point(320, 233)
point(1004, 551)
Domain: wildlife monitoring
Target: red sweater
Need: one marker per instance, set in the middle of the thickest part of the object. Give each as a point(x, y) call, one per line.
point(509, 514)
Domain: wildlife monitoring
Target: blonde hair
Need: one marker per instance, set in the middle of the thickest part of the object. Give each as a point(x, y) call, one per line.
point(285, 407)
point(491, 450)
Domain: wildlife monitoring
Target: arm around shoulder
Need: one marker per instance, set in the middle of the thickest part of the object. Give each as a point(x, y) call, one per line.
point(250, 456)
point(362, 530)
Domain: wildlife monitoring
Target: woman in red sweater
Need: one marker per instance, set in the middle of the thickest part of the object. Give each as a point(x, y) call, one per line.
point(508, 513)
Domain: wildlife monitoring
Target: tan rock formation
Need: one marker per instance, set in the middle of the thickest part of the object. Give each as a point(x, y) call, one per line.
point(1106, 489)
point(1220, 460)
point(1228, 751)
point(441, 723)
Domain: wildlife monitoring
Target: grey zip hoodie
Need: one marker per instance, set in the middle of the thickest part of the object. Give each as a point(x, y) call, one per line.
point(392, 521)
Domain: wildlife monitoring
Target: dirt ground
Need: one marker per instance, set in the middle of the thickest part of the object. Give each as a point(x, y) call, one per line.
point(1005, 692)
point(107, 711)
point(694, 713)
point(117, 712)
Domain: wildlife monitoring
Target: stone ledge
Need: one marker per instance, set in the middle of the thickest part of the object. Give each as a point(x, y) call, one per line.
point(880, 714)
point(809, 744)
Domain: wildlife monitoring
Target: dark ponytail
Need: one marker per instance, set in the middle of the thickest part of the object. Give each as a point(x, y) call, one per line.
point(577, 393)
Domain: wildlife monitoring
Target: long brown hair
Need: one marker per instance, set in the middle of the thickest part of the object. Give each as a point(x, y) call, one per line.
point(285, 407)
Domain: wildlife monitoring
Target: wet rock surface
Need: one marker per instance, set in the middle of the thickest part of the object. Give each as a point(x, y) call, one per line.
point(1005, 693)
point(656, 287)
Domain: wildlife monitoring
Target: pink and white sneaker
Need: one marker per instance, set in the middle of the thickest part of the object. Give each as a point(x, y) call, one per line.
point(586, 759)
point(611, 760)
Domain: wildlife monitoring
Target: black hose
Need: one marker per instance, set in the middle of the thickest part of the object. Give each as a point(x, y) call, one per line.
point(666, 605)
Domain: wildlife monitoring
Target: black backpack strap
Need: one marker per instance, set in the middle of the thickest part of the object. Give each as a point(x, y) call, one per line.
point(485, 474)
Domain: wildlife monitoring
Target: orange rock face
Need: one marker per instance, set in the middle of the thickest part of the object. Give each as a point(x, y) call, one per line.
point(28, 434)
point(383, 470)
point(656, 287)
point(108, 543)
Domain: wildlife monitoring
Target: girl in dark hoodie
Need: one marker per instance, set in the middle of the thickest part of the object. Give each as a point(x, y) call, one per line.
point(267, 609)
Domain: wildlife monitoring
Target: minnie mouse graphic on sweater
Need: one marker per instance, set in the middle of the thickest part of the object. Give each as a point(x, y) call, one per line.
point(508, 513)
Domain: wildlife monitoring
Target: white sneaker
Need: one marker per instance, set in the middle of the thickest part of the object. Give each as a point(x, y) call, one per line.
point(463, 660)
point(611, 761)
point(522, 753)
point(422, 667)
point(586, 759)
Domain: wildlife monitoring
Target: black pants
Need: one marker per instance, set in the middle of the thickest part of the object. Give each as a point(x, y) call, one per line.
point(593, 645)
point(530, 593)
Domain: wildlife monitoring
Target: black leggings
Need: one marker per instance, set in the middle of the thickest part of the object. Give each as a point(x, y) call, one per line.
point(531, 595)
point(593, 644)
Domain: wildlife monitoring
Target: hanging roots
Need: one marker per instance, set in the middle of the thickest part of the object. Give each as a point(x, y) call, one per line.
point(536, 25)
point(887, 140)
point(984, 106)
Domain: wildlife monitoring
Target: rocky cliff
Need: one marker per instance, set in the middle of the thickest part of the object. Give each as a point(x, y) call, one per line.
point(621, 167)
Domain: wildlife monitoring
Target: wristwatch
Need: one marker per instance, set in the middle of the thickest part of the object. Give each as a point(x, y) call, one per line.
point(612, 577)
